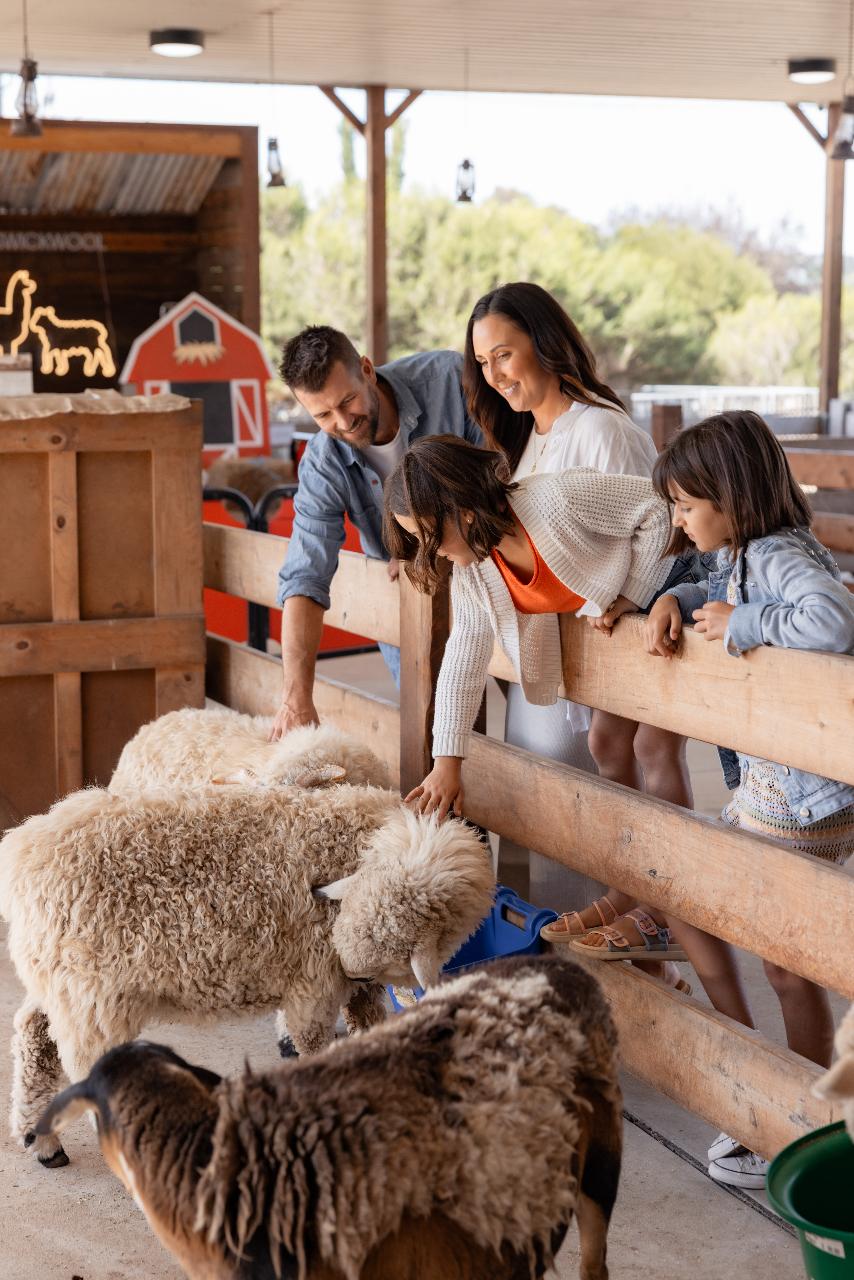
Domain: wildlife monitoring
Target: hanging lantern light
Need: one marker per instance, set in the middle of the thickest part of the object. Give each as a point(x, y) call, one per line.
point(274, 164)
point(275, 171)
point(465, 182)
point(27, 124)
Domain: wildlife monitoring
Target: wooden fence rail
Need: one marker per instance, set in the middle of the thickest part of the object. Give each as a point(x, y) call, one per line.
point(746, 889)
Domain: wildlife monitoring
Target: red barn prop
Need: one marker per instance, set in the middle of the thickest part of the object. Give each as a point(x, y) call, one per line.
point(200, 351)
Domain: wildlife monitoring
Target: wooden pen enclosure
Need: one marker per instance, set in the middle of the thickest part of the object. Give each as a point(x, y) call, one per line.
point(101, 624)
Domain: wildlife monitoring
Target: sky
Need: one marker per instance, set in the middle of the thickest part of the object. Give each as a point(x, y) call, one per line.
point(595, 157)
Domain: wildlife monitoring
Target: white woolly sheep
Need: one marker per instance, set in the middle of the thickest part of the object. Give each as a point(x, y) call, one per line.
point(837, 1084)
point(216, 745)
point(454, 1142)
point(190, 905)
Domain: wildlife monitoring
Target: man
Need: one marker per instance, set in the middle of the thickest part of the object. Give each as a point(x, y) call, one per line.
point(367, 419)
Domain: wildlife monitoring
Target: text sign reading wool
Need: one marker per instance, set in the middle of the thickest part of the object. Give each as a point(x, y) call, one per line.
point(61, 340)
point(52, 242)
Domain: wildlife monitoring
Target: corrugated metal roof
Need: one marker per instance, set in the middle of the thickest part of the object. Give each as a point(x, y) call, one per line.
point(86, 182)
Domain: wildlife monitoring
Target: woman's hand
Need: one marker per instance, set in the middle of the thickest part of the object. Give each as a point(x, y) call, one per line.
point(713, 619)
point(621, 605)
point(442, 790)
point(663, 627)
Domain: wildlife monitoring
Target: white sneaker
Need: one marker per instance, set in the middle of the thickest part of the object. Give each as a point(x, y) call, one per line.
point(747, 1170)
point(724, 1146)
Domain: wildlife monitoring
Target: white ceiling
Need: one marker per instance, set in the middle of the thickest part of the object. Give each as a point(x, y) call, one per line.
point(678, 48)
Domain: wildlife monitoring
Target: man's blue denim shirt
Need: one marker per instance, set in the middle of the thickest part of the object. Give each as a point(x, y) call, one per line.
point(335, 479)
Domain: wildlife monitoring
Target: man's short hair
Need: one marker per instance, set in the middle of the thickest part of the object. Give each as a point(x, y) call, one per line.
point(308, 358)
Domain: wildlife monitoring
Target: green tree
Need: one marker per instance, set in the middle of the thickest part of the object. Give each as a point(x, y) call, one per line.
point(775, 340)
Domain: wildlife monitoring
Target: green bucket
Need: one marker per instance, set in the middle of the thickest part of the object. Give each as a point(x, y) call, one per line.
point(811, 1185)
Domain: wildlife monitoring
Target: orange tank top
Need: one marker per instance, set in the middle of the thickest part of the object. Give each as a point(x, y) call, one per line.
point(542, 592)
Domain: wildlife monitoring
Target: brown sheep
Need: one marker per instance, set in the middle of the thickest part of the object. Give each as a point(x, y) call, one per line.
point(453, 1142)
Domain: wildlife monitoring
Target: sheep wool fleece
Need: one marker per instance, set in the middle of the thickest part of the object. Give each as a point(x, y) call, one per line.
point(601, 535)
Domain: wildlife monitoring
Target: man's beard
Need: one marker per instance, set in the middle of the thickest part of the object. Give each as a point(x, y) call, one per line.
point(369, 420)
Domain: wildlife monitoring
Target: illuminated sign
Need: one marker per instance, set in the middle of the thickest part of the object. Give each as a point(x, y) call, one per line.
point(60, 340)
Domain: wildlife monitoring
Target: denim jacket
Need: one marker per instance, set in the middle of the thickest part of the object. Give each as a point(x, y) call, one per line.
point(335, 478)
point(790, 595)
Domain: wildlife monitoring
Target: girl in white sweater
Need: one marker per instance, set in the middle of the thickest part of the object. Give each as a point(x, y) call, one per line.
point(532, 387)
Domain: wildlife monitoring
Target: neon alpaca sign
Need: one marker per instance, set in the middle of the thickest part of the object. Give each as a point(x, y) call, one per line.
point(60, 340)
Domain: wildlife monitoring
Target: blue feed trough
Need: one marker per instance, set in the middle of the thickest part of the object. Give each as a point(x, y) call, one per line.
point(512, 928)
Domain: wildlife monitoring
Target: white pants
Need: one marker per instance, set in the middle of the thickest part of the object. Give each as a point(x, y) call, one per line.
point(547, 731)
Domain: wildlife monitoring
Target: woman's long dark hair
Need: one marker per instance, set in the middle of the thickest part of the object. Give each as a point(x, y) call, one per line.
point(436, 480)
point(736, 462)
point(560, 349)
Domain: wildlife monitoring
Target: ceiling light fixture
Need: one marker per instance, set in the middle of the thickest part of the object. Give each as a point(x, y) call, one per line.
point(27, 124)
point(176, 42)
point(812, 70)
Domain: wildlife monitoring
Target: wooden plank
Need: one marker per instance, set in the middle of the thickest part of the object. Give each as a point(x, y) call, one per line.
point(836, 531)
point(243, 563)
point(25, 593)
point(424, 628)
point(115, 705)
point(376, 257)
point(749, 890)
point(251, 682)
point(116, 535)
point(666, 422)
point(175, 489)
point(822, 467)
point(116, 644)
point(704, 693)
point(65, 587)
point(249, 230)
point(62, 136)
point(831, 276)
point(105, 433)
point(740, 1082)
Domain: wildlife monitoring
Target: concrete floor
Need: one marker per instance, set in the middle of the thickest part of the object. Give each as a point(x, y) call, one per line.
point(670, 1218)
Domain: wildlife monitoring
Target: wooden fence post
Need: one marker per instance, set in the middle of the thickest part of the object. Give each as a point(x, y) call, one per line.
point(666, 421)
point(424, 627)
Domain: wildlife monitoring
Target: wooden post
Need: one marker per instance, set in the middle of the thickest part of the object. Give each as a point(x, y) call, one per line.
point(666, 421)
point(424, 628)
point(377, 278)
point(831, 279)
point(65, 593)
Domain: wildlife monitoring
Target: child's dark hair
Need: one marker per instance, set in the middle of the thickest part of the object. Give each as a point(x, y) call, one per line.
point(736, 462)
point(438, 478)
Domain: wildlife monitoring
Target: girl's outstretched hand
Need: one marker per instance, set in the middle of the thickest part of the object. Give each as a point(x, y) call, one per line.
point(442, 790)
point(621, 605)
point(663, 627)
point(713, 619)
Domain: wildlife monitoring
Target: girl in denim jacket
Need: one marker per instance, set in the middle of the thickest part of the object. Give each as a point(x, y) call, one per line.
point(732, 493)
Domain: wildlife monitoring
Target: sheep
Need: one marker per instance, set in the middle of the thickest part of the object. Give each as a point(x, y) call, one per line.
point(837, 1084)
point(453, 1142)
point(217, 744)
point(191, 904)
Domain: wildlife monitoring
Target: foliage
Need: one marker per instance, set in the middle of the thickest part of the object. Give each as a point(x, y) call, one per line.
point(658, 301)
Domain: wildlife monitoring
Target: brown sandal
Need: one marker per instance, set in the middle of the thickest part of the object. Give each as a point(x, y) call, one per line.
point(608, 943)
point(570, 925)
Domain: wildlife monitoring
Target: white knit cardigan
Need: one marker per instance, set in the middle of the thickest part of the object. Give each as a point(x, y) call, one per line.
point(601, 535)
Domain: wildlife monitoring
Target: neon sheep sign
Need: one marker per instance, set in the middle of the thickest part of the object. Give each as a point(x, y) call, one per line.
point(60, 340)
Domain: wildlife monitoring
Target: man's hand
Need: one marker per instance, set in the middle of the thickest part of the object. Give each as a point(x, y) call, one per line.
point(713, 619)
point(663, 627)
point(441, 791)
point(292, 716)
point(621, 605)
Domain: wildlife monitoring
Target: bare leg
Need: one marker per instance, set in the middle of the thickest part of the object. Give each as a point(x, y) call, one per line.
point(806, 1013)
point(716, 967)
point(662, 758)
point(37, 1078)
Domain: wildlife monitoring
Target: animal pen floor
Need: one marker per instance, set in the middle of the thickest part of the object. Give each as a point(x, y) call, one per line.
point(77, 1223)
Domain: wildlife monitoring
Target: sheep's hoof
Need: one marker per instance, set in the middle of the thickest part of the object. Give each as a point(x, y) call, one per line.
point(47, 1156)
point(287, 1048)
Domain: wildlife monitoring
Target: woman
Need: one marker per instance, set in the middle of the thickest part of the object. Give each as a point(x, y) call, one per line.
point(532, 387)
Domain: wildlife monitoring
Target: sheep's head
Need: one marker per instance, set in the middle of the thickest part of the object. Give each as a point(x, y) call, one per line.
point(421, 889)
point(314, 755)
point(837, 1084)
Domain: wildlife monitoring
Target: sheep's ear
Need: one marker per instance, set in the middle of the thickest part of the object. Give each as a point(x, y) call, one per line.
point(424, 962)
point(320, 776)
point(337, 889)
point(240, 778)
point(66, 1108)
point(838, 1082)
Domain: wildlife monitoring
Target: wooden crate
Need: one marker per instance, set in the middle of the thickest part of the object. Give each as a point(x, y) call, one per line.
point(101, 624)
